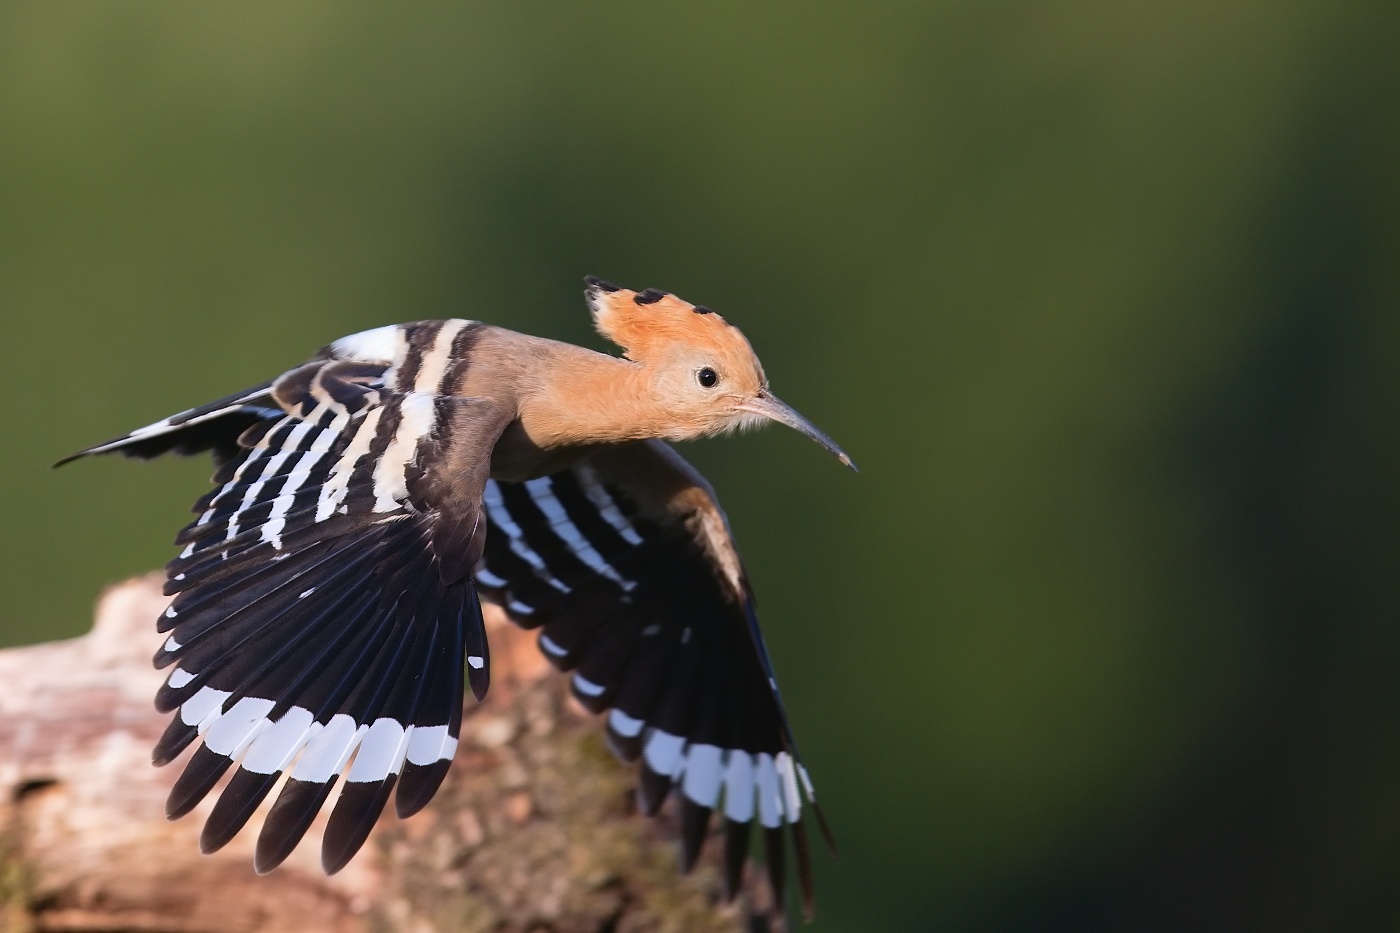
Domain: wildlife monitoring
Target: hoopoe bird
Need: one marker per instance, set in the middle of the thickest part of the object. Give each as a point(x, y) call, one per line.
point(326, 603)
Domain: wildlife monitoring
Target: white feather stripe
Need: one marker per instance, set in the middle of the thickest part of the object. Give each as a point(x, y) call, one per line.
point(251, 460)
point(324, 399)
point(770, 804)
point(701, 782)
point(274, 749)
point(208, 722)
point(371, 346)
point(430, 744)
point(166, 425)
point(587, 687)
point(198, 707)
point(290, 446)
point(487, 578)
point(250, 495)
point(328, 750)
point(381, 753)
point(663, 752)
point(238, 726)
point(433, 369)
point(248, 479)
point(600, 497)
point(324, 440)
point(417, 415)
point(151, 430)
point(787, 776)
point(179, 678)
point(806, 780)
point(624, 725)
point(496, 505)
point(397, 357)
point(303, 469)
point(542, 491)
point(291, 441)
point(739, 786)
point(337, 485)
point(498, 513)
point(277, 518)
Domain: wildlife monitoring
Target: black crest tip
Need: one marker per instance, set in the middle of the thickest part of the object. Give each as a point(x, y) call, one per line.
point(701, 309)
point(603, 285)
point(649, 296)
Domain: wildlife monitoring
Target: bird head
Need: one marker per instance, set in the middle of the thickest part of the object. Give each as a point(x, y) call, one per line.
point(703, 374)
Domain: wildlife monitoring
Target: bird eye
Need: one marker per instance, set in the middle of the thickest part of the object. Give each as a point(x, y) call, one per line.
point(708, 377)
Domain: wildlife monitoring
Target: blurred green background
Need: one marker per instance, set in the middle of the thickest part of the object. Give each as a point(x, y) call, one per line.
point(1103, 298)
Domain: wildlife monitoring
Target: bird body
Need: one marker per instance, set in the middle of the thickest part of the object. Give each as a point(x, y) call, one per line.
point(328, 592)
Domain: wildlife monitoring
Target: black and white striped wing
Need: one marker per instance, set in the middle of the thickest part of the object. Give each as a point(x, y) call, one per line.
point(214, 427)
point(625, 564)
point(323, 605)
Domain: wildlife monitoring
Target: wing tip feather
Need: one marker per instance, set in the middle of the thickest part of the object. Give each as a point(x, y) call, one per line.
point(291, 816)
point(355, 814)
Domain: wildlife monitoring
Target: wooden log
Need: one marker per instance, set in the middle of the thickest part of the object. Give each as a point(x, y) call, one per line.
point(533, 829)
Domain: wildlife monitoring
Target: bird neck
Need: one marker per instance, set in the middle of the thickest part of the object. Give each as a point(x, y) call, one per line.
point(584, 398)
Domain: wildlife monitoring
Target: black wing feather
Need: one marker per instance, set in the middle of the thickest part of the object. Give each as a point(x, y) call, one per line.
point(442, 701)
point(214, 427)
point(324, 619)
point(632, 600)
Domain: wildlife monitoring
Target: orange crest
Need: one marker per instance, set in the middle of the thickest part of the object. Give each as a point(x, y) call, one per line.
point(648, 323)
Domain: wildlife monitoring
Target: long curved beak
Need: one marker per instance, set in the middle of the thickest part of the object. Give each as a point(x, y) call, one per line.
point(770, 406)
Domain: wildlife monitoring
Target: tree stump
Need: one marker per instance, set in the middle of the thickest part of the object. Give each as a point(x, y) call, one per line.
point(533, 829)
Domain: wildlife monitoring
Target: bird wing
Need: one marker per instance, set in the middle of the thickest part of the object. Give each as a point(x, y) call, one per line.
point(625, 564)
point(215, 426)
point(323, 603)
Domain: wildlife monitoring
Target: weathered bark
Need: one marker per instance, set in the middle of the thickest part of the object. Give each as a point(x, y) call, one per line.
point(533, 829)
